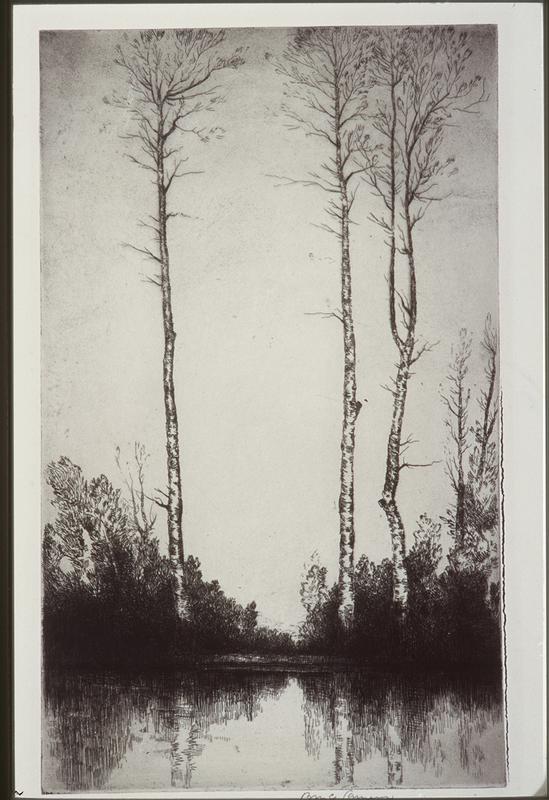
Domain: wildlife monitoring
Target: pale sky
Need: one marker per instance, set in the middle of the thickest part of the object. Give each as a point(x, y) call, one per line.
point(258, 381)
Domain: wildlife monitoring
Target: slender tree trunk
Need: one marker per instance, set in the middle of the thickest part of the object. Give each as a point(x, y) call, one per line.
point(174, 505)
point(392, 474)
point(486, 426)
point(392, 470)
point(460, 483)
point(350, 413)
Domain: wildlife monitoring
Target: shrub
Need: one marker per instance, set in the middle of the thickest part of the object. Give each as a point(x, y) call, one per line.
point(108, 594)
point(452, 616)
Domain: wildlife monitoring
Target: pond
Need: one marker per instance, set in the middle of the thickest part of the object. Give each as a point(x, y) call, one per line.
point(231, 729)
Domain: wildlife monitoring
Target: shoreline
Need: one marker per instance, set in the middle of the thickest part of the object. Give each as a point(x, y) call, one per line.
point(290, 663)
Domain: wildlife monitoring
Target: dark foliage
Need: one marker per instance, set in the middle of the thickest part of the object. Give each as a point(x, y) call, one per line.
point(108, 596)
point(219, 624)
point(452, 617)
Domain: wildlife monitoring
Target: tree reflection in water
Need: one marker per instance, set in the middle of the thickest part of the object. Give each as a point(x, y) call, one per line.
point(398, 718)
point(431, 729)
point(344, 761)
point(394, 754)
point(93, 721)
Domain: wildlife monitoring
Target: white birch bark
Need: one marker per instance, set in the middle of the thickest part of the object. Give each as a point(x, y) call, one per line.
point(326, 68)
point(350, 411)
point(429, 71)
point(174, 503)
point(166, 69)
point(344, 761)
point(460, 478)
point(394, 755)
point(392, 469)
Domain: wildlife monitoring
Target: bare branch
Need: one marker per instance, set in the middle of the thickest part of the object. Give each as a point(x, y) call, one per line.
point(285, 181)
point(154, 280)
point(473, 107)
point(139, 163)
point(428, 464)
point(407, 443)
point(176, 174)
point(388, 389)
point(325, 314)
point(143, 250)
point(323, 227)
point(158, 502)
point(381, 221)
point(425, 348)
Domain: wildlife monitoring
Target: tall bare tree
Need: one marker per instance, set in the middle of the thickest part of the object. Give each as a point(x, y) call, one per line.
point(482, 501)
point(169, 79)
point(474, 515)
point(457, 403)
point(142, 507)
point(420, 79)
point(325, 72)
point(488, 405)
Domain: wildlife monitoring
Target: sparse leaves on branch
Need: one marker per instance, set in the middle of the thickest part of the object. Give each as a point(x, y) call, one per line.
point(474, 516)
point(425, 74)
point(456, 399)
point(327, 86)
point(169, 83)
point(326, 91)
point(420, 82)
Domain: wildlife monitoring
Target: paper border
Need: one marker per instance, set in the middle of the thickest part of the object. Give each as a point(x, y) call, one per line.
point(521, 203)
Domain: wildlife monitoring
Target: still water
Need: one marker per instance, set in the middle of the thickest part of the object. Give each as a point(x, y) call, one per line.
point(243, 729)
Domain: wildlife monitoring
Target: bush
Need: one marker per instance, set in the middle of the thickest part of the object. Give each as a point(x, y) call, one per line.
point(108, 596)
point(108, 592)
point(452, 616)
point(376, 631)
